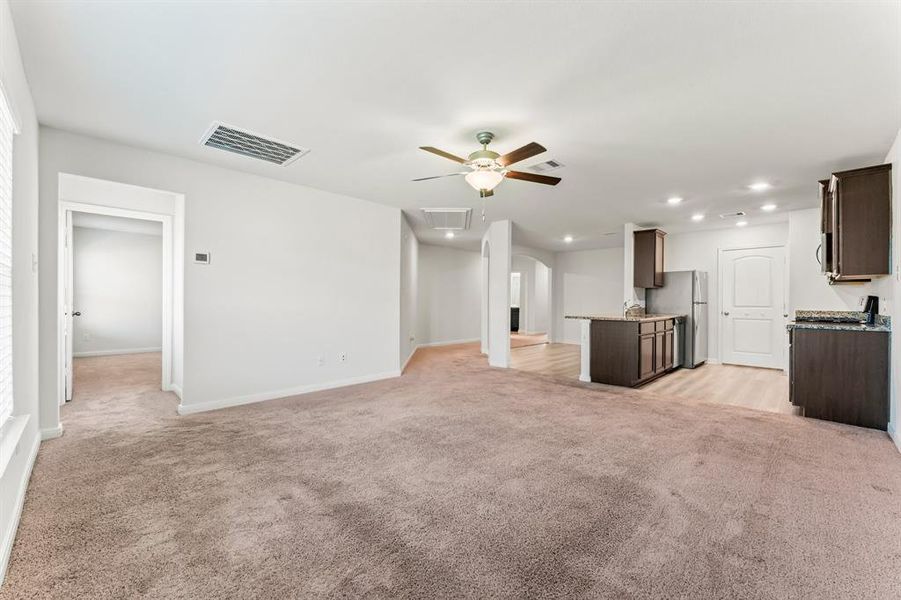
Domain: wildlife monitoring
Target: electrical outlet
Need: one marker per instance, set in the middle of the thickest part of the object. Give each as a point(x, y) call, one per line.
point(342, 357)
point(320, 361)
point(86, 336)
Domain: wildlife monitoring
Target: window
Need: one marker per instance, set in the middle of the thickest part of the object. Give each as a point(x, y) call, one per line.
point(7, 130)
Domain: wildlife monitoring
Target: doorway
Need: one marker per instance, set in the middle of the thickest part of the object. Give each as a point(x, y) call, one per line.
point(530, 314)
point(116, 289)
point(753, 306)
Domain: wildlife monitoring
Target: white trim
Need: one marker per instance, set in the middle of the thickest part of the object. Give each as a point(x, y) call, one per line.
point(10, 434)
point(6, 546)
point(409, 358)
point(115, 352)
point(184, 409)
point(172, 285)
point(893, 434)
point(51, 433)
point(447, 343)
point(175, 389)
point(713, 361)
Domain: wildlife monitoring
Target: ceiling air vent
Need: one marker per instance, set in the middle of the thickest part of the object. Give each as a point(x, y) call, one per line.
point(447, 218)
point(734, 215)
point(548, 165)
point(240, 141)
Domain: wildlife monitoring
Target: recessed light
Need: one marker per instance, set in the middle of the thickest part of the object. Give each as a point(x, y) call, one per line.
point(449, 235)
point(768, 207)
point(741, 223)
point(568, 239)
point(674, 200)
point(759, 186)
point(697, 217)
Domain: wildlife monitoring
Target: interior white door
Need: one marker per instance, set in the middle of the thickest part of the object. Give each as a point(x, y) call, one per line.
point(68, 331)
point(753, 309)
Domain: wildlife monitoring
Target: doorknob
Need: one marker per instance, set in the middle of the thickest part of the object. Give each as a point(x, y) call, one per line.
point(76, 314)
point(725, 313)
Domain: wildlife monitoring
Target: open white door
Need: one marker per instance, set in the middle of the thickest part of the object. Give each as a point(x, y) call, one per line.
point(753, 306)
point(68, 297)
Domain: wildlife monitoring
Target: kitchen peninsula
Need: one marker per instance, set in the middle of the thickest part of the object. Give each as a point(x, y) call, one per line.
point(627, 350)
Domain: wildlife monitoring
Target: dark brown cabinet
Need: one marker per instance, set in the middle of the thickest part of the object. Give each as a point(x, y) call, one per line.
point(631, 353)
point(648, 265)
point(857, 224)
point(841, 375)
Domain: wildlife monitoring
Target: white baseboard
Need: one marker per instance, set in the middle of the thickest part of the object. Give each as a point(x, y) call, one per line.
point(189, 409)
point(893, 434)
point(115, 352)
point(714, 361)
point(447, 343)
point(409, 358)
point(6, 545)
point(175, 389)
point(52, 432)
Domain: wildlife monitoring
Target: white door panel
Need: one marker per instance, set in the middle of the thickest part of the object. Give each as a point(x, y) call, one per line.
point(753, 305)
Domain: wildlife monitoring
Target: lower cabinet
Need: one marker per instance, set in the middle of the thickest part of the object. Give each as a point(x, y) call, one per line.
point(841, 375)
point(630, 353)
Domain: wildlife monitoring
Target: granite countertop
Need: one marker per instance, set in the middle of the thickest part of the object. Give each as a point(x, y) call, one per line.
point(638, 319)
point(883, 322)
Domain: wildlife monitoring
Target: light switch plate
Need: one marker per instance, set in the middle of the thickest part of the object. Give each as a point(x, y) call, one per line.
point(202, 258)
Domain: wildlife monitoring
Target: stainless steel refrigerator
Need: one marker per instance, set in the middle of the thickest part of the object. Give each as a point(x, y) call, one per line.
point(684, 293)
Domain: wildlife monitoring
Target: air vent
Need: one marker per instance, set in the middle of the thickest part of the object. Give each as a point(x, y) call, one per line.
point(734, 215)
point(245, 143)
point(548, 165)
point(447, 218)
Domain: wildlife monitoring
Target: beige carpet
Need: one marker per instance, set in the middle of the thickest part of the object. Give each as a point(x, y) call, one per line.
point(453, 481)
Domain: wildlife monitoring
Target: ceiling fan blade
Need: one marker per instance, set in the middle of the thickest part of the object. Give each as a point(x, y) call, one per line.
point(534, 177)
point(527, 151)
point(439, 176)
point(444, 154)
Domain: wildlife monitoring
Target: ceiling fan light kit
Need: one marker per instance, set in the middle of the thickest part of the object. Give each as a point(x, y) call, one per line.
point(489, 167)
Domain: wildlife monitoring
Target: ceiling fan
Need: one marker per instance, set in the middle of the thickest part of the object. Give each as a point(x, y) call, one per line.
point(488, 168)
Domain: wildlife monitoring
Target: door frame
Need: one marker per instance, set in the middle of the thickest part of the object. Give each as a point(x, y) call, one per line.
point(721, 295)
point(172, 286)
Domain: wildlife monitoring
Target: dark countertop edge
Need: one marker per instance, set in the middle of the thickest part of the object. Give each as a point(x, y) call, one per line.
point(840, 327)
point(647, 319)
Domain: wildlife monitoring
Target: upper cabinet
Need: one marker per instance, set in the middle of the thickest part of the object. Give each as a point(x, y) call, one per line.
point(857, 224)
point(648, 266)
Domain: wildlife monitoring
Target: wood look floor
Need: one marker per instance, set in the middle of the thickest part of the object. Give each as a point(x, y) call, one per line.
point(749, 387)
point(518, 340)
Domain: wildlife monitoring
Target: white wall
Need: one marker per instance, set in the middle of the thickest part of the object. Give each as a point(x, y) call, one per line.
point(409, 290)
point(808, 287)
point(699, 251)
point(586, 282)
point(450, 289)
point(118, 291)
point(500, 238)
point(283, 288)
point(14, 477)
point(539, 315)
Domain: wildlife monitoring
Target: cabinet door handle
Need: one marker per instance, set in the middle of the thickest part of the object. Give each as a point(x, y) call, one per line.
point(820, 247)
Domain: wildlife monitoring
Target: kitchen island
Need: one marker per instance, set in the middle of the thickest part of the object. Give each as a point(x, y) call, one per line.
point(627, 350)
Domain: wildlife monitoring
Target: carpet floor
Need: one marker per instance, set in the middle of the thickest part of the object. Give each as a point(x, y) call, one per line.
point(453, 481)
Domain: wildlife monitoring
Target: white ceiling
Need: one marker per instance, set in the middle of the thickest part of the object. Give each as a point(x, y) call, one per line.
point(640, 101)
point(121, 224)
